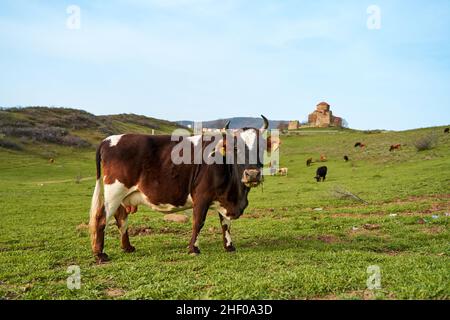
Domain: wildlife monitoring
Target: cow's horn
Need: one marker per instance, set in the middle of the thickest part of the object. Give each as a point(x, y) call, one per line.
point(266, 123)
point(227, 126)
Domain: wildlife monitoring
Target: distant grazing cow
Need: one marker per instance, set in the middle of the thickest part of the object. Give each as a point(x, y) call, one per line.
point(309, 161)
point(321, 174)
point(139, 170)
point(323, 158)
point(282, 171)
point(346, 158)
point(51, 160)
point(358, 144)
point(395, 147)
point(447, 130)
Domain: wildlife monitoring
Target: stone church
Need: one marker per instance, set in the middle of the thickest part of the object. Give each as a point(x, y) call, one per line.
point(323, 117)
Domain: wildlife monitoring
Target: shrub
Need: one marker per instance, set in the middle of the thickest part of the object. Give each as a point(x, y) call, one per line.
point(74, 141)
point(426, 142)
point(376, 131)
point(9, 145)
point(50, 134)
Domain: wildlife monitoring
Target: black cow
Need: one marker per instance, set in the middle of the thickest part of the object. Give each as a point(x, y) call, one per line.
point(447, 130)
point(346, 158)
point(321, 174)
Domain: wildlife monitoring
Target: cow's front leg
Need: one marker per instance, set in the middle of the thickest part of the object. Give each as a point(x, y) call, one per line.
point(121, 216)
point(226, 233)
point(198, 222)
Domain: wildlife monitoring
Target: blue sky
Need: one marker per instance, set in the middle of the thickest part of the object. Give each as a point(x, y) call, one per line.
point(207, 59)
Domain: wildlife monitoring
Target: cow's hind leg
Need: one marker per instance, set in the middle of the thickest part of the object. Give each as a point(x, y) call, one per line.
point(97, 230)
point(226, 229)
point(114, 194)
point(122, 223)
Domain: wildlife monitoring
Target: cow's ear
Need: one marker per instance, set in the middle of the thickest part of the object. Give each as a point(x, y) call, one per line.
point(273, 143)
point(221, 147)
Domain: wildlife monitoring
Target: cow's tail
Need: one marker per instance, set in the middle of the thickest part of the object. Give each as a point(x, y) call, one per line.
point(97, 199)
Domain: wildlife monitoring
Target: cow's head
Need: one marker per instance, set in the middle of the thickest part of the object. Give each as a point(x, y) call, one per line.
point(244, 149)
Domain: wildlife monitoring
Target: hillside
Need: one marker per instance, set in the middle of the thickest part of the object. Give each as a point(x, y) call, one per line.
point(43, 127)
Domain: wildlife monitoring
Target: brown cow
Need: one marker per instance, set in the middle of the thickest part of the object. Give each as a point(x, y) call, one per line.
point(395, 147)
point(140, 170)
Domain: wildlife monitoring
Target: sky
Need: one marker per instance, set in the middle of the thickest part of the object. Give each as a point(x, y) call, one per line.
point(209, 59)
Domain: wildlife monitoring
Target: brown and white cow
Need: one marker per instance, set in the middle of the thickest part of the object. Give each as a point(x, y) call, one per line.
point(139, 170)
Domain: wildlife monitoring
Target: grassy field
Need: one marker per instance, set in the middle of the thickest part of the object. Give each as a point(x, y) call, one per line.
point(297, 240)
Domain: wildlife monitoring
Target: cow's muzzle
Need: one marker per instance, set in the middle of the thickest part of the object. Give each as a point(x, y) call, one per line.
point(252, 177)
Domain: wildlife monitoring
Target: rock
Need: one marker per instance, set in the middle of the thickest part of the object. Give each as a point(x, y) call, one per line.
point(178, 218)
point(318, 209)
point(393, 215)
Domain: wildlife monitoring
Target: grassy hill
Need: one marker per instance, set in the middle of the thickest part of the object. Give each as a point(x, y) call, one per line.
point(45, 130)
point(298, 239)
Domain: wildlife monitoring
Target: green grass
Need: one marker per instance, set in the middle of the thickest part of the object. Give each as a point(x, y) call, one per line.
point(285, 248)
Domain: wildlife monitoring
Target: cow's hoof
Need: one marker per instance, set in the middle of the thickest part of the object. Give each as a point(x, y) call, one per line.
point(101, 258)
point(230, 249)
point(194, 251)
point(129, 249)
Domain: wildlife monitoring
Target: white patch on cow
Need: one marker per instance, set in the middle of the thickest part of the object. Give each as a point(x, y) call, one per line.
point(228, 238)
point(96, 202)
point(114, 194)
point(222, 211)
point(195, 139)
point(196, 243)
point(114, 140)
point(226, 222)
point(249, 137)
point(189, 202)
point(135, 197)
